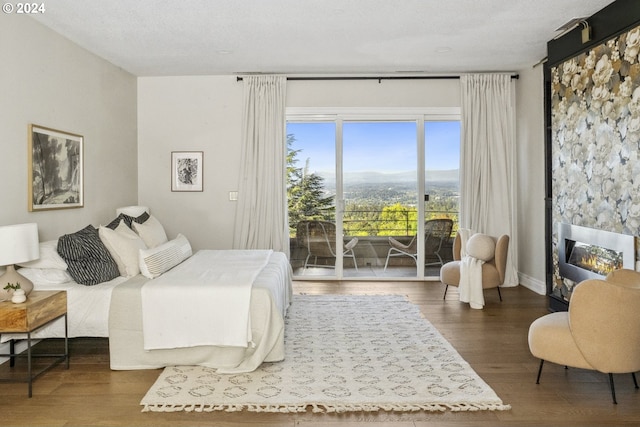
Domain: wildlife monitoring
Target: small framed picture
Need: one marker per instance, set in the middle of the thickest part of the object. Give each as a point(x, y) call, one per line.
point(186, 170)
point(55, 163)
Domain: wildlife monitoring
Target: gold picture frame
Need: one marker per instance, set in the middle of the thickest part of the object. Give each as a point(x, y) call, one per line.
point(187, 170)
point(56, 169)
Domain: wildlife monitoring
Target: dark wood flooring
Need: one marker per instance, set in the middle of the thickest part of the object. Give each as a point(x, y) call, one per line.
point(493, 341)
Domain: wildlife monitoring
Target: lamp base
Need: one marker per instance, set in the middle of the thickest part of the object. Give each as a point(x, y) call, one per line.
point(13, 277)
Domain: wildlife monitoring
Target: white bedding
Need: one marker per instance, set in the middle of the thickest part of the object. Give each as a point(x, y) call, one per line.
point(211, 290)
point(87, 308)
point(113, 309)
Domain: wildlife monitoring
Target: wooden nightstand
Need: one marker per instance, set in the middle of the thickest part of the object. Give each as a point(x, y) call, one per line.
point(40, 308)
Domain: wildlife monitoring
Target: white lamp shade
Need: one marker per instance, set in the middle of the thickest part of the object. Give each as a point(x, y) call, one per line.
point(19, 243)
point(134, 211)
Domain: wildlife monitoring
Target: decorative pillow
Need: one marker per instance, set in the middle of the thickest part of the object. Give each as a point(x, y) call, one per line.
point(481, 246)
point(123, 244)
point(88, 260)
point(45, 276)
point(128, 220)
point(155, 261)
point(49, 257)
point(151, 232)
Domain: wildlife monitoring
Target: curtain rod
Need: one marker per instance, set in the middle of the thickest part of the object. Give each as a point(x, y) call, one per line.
point(513, 76)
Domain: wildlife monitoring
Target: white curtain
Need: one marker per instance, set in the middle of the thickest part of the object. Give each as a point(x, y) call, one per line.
point(487, 170)
point(261, 215)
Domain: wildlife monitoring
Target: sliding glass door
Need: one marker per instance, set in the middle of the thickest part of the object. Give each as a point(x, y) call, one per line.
point(311, 191)
point(380, 193)
point(357, 193)
point(442, 190)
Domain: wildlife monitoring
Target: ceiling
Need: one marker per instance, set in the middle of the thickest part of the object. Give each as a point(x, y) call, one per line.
point(315, 37)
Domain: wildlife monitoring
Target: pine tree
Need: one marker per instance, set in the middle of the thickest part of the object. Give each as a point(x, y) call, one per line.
point(305, 191)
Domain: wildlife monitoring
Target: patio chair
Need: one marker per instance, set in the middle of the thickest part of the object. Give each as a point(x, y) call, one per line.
point(319, 238)
point(436, 232)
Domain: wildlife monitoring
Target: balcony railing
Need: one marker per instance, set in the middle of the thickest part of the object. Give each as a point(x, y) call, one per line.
point(370, 223)
point(373, 246)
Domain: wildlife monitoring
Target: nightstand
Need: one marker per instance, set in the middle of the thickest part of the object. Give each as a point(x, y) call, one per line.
point(40, 309)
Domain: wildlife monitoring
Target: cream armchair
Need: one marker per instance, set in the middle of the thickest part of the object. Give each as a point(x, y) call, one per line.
point(601, 330)
point(493, 271)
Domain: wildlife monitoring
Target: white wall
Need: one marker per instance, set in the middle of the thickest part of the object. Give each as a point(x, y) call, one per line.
point(49, 81)
point(530, 167)
point(370, 93)
point(190, 114)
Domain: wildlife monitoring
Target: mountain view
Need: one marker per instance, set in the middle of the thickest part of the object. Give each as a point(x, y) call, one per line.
point(384, 189)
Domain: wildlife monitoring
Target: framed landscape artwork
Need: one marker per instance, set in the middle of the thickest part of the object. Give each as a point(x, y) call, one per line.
point(55, 163)
point(186, 170)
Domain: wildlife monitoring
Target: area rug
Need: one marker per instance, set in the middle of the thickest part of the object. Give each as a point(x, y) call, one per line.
point(343, 353)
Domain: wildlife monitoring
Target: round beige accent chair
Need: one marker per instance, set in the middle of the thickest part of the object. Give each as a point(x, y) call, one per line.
point(600, 331)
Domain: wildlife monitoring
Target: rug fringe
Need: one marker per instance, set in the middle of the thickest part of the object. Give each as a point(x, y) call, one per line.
point(328, 408)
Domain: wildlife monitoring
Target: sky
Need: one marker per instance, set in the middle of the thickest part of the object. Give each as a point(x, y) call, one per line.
point(377, 146)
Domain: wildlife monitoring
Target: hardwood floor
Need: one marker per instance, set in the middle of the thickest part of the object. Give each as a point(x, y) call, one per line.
point(493, 341)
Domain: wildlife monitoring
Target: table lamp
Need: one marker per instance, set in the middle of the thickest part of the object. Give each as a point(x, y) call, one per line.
point(18, 243)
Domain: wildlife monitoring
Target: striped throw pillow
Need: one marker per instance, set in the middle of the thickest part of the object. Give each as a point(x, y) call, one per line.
point(155, 261)
point(87, 258)
point(129, 220)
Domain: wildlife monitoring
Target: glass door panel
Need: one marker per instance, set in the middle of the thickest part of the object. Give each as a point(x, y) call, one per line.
point(311, 191)
point(380, 195)
point(442, 186)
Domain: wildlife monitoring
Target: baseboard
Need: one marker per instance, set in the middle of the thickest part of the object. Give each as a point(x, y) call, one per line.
point(533, 284)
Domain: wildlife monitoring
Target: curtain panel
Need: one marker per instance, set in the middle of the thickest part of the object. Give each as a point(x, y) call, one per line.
point(487, 169)
point(261, 213)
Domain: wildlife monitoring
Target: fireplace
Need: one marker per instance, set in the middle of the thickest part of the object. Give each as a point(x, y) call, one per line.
point(587, 253)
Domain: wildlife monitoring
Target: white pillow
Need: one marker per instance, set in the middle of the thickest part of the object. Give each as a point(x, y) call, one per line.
point(481, 246)
point(45, 276)
point(155, 261)
point(49, 257)
point(151, 232)
point(123, 244)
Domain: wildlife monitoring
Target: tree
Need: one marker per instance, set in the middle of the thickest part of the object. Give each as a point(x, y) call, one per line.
point(398, 220)
point(305, 191)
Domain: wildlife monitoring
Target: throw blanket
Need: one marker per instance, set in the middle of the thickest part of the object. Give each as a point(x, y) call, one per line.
point(203, 301)
point(470, 287)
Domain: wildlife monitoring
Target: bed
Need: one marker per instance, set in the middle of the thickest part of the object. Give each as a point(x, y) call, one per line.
point(270, 298)
point(113, 309)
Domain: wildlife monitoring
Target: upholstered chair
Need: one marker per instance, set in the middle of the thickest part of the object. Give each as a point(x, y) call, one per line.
point(493, 270)
point(600, 331)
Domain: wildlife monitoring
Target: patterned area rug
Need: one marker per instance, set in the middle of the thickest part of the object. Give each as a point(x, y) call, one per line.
point(343, 353)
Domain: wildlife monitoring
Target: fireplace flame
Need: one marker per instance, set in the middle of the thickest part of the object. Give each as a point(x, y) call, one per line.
point(599, 265)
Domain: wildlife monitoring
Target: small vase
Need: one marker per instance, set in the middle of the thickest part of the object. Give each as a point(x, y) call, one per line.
point(18, 296)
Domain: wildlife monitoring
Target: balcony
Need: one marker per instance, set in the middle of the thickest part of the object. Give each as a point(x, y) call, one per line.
point(371, 252)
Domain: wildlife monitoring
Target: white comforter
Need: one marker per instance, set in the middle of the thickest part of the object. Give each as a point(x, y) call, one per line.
point(210, 288)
